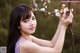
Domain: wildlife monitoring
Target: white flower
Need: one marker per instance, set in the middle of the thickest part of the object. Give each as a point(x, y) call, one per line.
point(35, 4)
point(56, 10)
point(45, 6)
point(57, 14)
point(49, 13)
point(44, 3)
point(42, 9)
point(63, 5)
point(35, 9)
point(48, 1)
point(72, 10)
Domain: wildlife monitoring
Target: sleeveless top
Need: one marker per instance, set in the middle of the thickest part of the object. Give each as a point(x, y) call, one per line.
point(17, 45)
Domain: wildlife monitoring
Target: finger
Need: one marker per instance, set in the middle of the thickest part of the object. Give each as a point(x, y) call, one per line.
point(71, 15)
point(70, 18)
point(61, 13)
point(65, 11)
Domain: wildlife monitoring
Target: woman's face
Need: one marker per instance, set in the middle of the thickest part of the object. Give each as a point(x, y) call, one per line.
point(28, 26)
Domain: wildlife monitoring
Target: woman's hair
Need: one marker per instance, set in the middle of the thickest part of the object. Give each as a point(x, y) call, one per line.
point(20, 12)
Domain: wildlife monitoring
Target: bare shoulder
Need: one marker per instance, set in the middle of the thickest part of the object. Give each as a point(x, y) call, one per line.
point(33, 36)
point(29, 46)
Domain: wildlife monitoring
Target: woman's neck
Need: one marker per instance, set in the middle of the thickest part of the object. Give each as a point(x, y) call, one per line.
point(25, 36)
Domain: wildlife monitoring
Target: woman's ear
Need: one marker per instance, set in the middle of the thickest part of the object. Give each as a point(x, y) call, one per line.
point(19, 27)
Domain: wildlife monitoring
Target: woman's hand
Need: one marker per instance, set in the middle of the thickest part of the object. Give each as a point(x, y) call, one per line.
point(66, 19)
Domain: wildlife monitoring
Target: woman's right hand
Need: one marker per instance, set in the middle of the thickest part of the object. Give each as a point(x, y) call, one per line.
point(65, 19)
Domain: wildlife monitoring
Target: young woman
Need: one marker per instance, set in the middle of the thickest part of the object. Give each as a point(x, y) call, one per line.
point(23, 24)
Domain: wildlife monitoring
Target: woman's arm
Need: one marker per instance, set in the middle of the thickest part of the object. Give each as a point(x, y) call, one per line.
point(47, 43)
point(60, 40)
point(32, 47)
point(55, 37)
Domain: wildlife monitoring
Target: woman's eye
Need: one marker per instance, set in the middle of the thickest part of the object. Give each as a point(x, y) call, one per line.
point(26, 21)
point(33, 18)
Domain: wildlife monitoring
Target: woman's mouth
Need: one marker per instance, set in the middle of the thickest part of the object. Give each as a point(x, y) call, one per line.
point(32, 28)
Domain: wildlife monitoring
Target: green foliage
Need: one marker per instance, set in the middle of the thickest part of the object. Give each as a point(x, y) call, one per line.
point(46, 24)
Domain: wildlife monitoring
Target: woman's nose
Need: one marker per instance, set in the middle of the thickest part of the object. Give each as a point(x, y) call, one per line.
point(32, 23)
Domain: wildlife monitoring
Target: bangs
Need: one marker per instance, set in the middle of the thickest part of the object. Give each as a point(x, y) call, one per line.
point(26, 12)
point(26, 15)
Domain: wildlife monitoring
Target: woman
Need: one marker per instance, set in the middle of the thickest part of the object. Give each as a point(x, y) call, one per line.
point(23, 24)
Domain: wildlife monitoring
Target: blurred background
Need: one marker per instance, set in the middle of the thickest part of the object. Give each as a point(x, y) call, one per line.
point(47, 24)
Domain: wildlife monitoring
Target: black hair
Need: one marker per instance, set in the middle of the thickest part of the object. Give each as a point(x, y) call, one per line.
point(20, 12)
